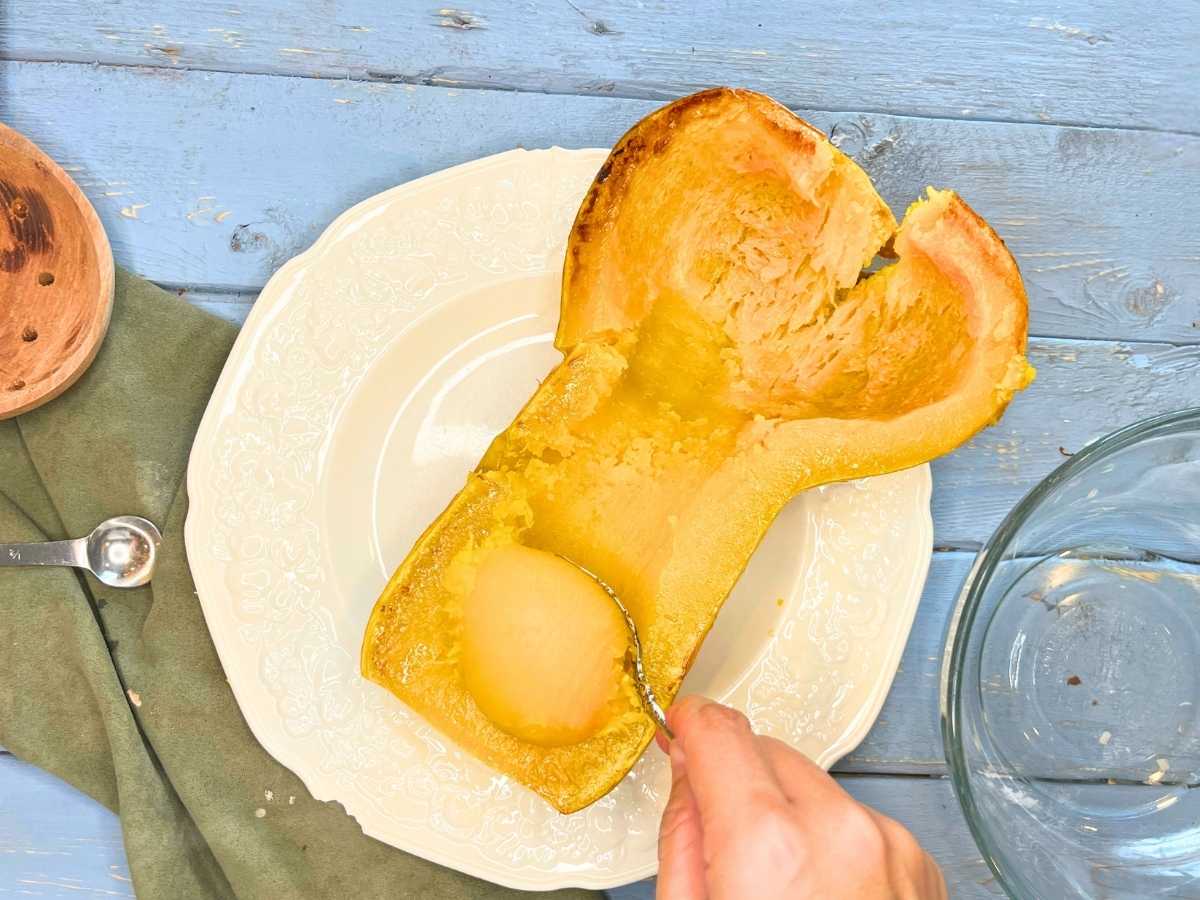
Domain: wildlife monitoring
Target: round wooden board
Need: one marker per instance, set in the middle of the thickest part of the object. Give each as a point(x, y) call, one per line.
point(56, 277)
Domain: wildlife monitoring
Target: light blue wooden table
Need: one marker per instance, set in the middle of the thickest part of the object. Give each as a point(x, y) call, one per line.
point(217, 138)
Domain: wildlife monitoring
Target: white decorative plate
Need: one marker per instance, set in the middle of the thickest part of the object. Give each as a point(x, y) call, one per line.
point(369, 378)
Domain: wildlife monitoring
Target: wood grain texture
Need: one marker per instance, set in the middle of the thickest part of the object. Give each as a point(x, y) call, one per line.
point(214, 180)
point(56, 277)
point(208, 180)
point(233, 210)
point(926, 806)
point(57, 843)
point(906, 737)
point(1084, 390)
point(1096, 63)
point(232, 307)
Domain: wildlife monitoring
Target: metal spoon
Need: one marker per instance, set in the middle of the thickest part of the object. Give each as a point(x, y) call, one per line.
point(645, 691)
point(122, 552)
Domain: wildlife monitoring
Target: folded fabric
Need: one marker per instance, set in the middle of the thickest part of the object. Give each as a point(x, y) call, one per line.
point(121, 693)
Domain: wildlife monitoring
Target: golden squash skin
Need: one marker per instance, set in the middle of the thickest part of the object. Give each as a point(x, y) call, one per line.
point(722, 353)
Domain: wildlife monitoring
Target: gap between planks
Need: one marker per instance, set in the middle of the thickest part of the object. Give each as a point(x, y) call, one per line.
point(234, 303)
point(1093, 268)
point(619, 91)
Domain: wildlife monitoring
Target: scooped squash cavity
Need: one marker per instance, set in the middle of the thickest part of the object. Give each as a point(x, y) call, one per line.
point(723, 351)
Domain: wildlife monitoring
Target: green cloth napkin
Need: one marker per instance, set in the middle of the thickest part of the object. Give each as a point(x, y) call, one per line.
point(121, 693)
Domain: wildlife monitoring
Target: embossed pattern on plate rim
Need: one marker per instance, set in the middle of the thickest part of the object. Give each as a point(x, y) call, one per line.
point(259, 710)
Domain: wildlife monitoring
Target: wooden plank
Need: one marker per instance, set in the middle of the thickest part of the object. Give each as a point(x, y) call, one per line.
point(208, 179)
point(928, 808)
point(1067, 193)
point(1084, 390)
point(55, 841)
point(279, 193)
point(906, 737)
point(232, 307)
point(1096, 63)
point(911, 802)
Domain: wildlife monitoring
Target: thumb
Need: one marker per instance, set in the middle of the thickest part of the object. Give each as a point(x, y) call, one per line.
point(680, 840)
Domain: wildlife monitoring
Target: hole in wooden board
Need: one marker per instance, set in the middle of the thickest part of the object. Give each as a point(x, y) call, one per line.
point(45, 278)
point(29, 334)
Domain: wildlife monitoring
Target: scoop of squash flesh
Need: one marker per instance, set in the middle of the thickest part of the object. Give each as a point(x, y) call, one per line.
point(722, 353)
point(544, 647)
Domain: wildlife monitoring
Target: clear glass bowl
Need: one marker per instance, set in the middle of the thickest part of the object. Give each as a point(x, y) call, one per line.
point(1071, 682)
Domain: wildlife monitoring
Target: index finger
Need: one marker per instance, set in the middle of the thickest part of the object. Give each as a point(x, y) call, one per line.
point(731, 779)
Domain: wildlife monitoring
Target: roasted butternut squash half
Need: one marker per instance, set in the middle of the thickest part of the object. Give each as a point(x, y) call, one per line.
point(722, 352)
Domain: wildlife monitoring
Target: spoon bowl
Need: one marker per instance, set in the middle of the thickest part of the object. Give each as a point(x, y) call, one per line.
point(123, 551)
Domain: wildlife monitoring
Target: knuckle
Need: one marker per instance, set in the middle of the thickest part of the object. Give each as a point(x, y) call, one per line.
point(906, 846)
point(715, 716)
point(899, 839)
point(865, 830)
point(777, 838)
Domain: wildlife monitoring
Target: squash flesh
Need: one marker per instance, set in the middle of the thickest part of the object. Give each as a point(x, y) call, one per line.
point(721, 355)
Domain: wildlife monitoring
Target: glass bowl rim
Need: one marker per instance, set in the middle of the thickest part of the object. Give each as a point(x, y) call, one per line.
point(967, 606)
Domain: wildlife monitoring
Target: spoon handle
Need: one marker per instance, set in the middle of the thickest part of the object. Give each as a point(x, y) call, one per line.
point(45, 553)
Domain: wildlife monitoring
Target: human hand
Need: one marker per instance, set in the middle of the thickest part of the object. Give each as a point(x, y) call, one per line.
point(749, 817)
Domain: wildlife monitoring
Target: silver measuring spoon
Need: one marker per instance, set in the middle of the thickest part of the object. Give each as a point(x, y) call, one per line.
point(122, 552)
